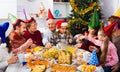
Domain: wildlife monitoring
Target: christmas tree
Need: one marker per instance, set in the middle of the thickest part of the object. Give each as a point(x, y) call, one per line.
point(82, 11)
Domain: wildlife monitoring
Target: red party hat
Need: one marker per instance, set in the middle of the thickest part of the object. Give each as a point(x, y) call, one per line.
point(109, 29)
point(50, 16)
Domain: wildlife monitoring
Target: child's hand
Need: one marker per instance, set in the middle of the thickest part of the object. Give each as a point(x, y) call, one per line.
point(70, 41)
point(78, 45)
point(93, 47)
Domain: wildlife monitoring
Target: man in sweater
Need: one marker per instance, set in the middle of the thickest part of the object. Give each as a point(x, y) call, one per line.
point(18, 42)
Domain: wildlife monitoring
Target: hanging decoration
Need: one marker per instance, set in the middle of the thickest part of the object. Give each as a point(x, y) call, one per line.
point(73, 5)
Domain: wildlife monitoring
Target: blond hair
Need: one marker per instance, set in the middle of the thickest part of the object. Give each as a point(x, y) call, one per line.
point(101, 33)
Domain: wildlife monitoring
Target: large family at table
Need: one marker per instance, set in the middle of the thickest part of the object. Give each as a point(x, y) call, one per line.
point(106, 40)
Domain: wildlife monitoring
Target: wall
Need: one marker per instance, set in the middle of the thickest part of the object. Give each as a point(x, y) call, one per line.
point(15, 7)
point(8, 6)
point(31, 6)
point(109, 7)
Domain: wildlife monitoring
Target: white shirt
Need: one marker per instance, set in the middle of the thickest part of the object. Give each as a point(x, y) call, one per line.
point(4, 57)
point(46, 36)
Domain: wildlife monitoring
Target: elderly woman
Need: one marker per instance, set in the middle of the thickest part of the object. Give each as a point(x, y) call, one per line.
point(33, 33)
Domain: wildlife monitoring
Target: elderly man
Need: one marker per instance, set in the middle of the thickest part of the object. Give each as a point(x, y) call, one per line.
point(48, 39)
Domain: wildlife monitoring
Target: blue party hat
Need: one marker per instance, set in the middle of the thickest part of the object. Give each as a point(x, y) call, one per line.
point(93, 60)
point(24, 63)
point(3, 29)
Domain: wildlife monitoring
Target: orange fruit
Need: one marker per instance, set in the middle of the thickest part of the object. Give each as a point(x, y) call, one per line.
point(28, 50)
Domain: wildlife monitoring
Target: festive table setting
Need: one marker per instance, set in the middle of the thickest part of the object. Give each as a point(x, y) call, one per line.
point(60, 58)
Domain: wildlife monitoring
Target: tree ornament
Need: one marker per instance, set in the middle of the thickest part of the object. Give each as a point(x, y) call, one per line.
point(97, 9)
point(91, 5)
point(76, 5)
point(78, 27)
point(73, 17)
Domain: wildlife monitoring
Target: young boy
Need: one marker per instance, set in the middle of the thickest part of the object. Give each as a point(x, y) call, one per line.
point(62, 35)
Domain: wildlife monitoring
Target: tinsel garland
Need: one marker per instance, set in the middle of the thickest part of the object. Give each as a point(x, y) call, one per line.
point(77, 19)
point(82, 11)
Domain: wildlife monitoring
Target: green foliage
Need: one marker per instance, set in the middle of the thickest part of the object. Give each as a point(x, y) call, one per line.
point(77, 26)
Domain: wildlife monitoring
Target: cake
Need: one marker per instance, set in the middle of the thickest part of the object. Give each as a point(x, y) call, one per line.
point(61, 68)
point(38, 68)
point(64, 57)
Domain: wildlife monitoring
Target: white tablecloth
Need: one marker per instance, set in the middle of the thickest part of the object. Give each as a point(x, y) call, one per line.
point(17, 67)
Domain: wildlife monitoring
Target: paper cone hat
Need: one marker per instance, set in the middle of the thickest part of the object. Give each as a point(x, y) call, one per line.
point(13, 19)
point(3, 29)
point(50, 16)
point(109, 29)
point(27, 17)
point(61, 23)
point(117, 13)
point(94, 22)
point(93, 60)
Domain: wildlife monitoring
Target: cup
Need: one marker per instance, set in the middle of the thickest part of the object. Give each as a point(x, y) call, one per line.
point(21, 58)
point(86, 56)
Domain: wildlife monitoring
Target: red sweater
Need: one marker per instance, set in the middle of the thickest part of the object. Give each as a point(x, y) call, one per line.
point(36, 37)
point(16, 40)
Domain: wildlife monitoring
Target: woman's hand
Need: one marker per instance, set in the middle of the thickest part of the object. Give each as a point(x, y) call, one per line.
point(29, 42)
point(13, 60)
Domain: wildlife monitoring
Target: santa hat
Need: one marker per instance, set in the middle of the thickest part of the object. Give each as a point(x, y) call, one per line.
point(50, 16)
point(61, 23)
point(94, 22)
point(13, 19)
point(27, 17)
point(108, 29)
point(3, 29)
point(117, 14)
point(93, 59)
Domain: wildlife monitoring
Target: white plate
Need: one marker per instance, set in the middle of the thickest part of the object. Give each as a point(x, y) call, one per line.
point(73, 63)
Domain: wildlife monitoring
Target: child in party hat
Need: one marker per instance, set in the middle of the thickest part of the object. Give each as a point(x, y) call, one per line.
point(111, 51)
point(62, 35)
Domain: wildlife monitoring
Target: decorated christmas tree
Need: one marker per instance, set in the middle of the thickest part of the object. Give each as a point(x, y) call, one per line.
point(82, 11)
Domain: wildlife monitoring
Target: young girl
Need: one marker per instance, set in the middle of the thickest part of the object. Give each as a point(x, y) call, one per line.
point(62, 35)
point(111, 57)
